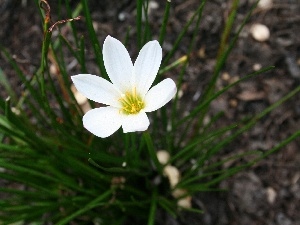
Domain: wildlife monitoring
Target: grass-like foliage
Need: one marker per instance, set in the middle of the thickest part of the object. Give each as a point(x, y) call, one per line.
point(55, 171)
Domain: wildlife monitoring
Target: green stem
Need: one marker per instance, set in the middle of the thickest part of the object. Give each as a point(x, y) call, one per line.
point(94, 40)
point(86, 208)
point(151, 219)
point(139, 8)
point(152, 151)
point(223, 54)
point(162, 32)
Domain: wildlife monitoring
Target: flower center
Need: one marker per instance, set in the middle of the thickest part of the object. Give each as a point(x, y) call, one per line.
point(131, 102)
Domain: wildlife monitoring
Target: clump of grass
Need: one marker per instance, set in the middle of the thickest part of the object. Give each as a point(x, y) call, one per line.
point(58, 172)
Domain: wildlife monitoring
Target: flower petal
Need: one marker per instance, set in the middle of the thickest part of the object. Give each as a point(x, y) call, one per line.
point(103, 121)
point(97, 89)
point(135, 122)
point(147, 65)
point(160, 94)
point(117, 63)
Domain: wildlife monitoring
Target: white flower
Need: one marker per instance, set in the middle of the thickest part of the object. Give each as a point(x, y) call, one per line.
point(128, 96)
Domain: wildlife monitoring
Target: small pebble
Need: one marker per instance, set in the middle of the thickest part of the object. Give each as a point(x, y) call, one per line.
point(282, 219)
point(271, 195)
point(163, 156)
point(15, 110)
point(180, 94)
point(178, 192)
point(296, 178)
point(152, 5)
point(265, 4)
point(53, 69)
point(185, 202)
point(225, 76)
point(95, 25)
point(201, 52)
point(173, 175)
point(196, 96)
point(233, 103)
point(257, 67)
point(260, 32)
point(121, 16)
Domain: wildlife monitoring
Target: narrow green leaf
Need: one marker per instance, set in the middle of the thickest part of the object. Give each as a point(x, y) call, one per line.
point(151, 218)
point(93, 204)
point(163, 28)
point(94, 40)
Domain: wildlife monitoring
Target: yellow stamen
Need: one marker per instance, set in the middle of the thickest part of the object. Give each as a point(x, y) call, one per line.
point(131, 102)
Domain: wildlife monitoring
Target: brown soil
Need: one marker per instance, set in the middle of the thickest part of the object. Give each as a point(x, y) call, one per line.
point(267, 193)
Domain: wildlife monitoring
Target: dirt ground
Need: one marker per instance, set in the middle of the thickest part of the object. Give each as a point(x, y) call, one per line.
point(269, 192)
